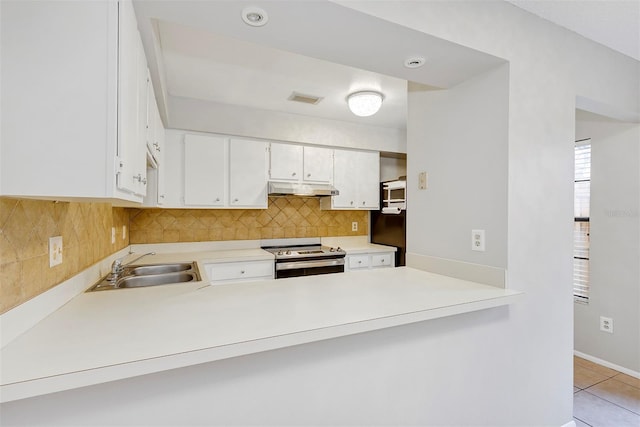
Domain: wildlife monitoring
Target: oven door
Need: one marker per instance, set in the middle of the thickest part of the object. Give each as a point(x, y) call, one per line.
point(309, 267)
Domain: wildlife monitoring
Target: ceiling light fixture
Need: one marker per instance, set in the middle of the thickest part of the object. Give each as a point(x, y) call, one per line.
point(414, 62)
point(365, 103)
point(254, 16)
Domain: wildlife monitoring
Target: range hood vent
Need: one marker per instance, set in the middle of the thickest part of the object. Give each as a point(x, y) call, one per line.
point(301, 189)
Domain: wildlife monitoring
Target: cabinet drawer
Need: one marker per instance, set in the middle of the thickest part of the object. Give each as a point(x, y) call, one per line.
point(358, 261)
point(240, 270)
point(381, 260)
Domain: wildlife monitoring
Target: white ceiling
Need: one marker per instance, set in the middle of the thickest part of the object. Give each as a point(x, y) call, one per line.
point(207, 66)
point(613, 23)
point(203, 50)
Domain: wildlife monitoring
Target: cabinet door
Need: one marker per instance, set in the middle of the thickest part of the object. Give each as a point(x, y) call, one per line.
point(285, 162)
point(248, 162)
point(205, 175)
point(368, 182)
point(132, 104)
point(318, 164)
point(159, 146)
point(344, 178)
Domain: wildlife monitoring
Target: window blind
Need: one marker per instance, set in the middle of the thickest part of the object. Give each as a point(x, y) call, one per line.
point(581, 225)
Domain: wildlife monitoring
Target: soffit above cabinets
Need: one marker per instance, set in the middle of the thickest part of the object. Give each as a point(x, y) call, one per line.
point(204, 50)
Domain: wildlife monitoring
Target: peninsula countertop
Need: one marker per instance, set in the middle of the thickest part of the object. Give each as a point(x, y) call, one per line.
point(104, 336)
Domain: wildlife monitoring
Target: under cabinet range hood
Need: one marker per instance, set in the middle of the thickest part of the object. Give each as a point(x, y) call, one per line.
point(301, 189)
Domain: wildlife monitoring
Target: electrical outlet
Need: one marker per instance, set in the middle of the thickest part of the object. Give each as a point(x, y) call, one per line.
point(606, 324)
point(55, 251)
point(477, 240)
point(354, 226)
point(113, 235)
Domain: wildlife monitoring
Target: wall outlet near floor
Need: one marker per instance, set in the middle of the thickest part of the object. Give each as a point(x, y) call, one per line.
point(477, 240)
point(354, 226)
point(55, 251)
point(606, 324)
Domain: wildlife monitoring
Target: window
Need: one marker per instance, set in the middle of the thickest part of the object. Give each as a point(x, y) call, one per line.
point(582, 192)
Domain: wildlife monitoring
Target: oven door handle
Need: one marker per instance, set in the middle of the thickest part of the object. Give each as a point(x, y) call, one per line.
point(309, 264)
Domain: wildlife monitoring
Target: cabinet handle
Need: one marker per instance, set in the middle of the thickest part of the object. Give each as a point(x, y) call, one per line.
point(162, 196)
point(359, 262)
point(363, 203)
point(217, 199)
point(293, 174)
point(241, 271)
point(308, 175)
point(352, 203)
point(144, 181)
point(235, 200)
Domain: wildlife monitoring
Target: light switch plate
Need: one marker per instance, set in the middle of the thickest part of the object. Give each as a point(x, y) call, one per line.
point(422, 181)
point(55, 251)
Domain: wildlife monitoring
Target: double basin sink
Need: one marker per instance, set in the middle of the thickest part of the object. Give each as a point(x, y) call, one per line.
point(138, 276)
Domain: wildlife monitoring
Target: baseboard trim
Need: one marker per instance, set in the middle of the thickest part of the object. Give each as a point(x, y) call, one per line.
point(607, 364)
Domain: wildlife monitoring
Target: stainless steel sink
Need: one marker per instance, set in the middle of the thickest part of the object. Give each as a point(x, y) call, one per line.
point(138, 276)
point(155, 280)
point(158, 269)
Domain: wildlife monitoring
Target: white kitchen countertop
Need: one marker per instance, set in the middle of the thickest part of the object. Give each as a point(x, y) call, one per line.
point(353, 245)
point(104, 336)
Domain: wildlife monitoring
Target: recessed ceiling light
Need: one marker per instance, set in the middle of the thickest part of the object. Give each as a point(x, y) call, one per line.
point(254, 16)
point(414, 62)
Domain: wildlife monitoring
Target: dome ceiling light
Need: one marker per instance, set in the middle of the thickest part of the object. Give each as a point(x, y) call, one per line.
point(254, 16)
point(365, 103)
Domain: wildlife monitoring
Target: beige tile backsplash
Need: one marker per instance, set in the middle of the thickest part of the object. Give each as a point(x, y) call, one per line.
point(287, 216)
point(25, 228)
point(26, 225)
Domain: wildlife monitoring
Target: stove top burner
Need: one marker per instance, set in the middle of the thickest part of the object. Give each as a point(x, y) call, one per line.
point(315, 252)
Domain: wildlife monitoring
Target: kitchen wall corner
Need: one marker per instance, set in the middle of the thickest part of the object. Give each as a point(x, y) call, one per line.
point(25, 228)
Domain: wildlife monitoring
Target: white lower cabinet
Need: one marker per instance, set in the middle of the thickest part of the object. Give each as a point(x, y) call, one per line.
point(370, 260)
point(240, 271)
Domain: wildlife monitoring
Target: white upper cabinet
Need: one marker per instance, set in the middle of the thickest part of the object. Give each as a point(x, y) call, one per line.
point(215, 171)
point(76, 120)
point(356, 175)
point(205, 171)
point(290, 162)
point(318, 164)
point(285, 162)
point(248, 173)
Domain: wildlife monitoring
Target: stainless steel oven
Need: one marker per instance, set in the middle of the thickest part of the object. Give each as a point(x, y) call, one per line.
point(306, 260)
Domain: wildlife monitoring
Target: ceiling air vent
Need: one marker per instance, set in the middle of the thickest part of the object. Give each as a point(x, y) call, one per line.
point(305, 99)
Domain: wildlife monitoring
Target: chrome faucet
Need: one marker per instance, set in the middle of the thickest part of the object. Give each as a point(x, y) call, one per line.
point(117, 267)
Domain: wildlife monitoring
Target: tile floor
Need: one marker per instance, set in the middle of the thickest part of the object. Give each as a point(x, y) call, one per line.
point(604, 397)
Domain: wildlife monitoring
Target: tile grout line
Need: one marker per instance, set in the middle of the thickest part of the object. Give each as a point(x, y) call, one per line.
point(613, 403)
point(584, 422)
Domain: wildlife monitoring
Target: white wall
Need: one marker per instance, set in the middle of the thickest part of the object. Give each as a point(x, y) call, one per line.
point(615, 245)
point(460, 138)
point(392, 168)
point(205, 116)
